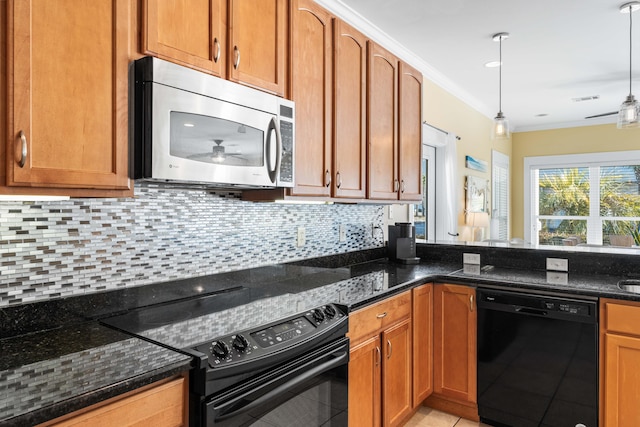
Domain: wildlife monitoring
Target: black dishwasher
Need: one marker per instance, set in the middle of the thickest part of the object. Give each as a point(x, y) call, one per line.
point(537, 360)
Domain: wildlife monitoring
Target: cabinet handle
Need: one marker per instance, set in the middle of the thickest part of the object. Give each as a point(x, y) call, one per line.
point(339, 179)
point(389, 354)
point(216, 46)
point(402, 186)
point(381, 315)
point(23, 156)
point(396, 185)
point(327, 178)
point(379, 356)
point(236, 54)
point(471, 304)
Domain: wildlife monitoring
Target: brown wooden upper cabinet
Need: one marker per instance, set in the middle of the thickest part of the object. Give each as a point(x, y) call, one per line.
point(311, 89)
point(349, 112)
point(190, 32)
point(382, 124)
point(394, 102)
point(242, 40)
point(409, 132)
point(67, 92)
point(328, 63)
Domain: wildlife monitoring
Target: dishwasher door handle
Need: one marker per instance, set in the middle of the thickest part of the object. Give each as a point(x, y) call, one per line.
point(535, 311)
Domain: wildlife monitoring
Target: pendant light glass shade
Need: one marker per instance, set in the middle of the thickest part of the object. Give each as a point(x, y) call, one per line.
point(500, 129)
point(629, 114)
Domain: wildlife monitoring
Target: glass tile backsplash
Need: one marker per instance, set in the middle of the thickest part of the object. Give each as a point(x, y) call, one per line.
point(55, 249)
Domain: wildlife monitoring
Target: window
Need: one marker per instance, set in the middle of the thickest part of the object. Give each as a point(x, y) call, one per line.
point(424, 213)
point(583, 199)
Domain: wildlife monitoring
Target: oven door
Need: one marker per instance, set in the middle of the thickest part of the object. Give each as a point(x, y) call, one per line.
point(310, 390)
point(195, 138)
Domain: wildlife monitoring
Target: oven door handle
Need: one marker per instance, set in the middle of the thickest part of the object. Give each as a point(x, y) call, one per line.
point(341, 359)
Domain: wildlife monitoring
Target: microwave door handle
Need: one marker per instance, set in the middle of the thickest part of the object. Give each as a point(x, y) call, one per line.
point(273, 127)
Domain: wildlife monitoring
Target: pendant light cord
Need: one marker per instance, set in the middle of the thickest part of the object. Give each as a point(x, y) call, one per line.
point(630, 47)
point(500, 80)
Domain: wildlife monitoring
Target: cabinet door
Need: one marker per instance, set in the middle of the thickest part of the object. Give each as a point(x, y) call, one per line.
point(622, 380)
point(364, 383)
point(191, 32)
point(311, 85)
point(454, 333)
point(396, 374)
point(67, 96)
point(382, 95)
point(349, 97)
point(410, 132)
point(422, 343)
point(258, 43)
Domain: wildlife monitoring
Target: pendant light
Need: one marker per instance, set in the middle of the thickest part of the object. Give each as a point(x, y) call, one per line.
point(500, 128)
point(629, 114)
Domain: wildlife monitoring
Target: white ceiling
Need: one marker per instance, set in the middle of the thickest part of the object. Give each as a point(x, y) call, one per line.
point(557, 50)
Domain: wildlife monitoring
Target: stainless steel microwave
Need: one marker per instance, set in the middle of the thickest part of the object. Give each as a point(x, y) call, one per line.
point(191, 127)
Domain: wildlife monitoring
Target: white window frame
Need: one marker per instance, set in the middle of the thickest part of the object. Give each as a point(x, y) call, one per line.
point(591, 160)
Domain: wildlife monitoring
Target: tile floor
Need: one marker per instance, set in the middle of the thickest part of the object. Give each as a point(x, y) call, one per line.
point(427, 417)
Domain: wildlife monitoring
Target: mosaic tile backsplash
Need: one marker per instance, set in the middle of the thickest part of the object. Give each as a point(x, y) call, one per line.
point(55, 249)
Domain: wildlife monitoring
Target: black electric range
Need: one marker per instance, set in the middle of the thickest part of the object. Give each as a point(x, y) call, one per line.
point(253, 353)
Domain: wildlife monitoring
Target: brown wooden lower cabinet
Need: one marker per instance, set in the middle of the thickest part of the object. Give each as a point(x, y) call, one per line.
point(422, 317)
point(619, 363)
point(380, 386)
point(162, 404)
point(454, 351)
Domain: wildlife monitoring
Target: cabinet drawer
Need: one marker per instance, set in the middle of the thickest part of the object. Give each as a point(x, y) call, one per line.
point(161, 406)
point(367, 321)
point(622, 317)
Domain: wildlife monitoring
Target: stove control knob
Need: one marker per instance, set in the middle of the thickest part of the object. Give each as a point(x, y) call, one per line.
point(240, 343)
point(318, 315)
point(220, 349)
point(330, 311)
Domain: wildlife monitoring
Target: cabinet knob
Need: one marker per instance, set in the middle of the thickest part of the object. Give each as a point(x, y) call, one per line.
point(381, 315)
point(379, 356)
point(396, 185)
point(216, 47)
point(402, 186)
point(339, 179)
point(23, 154)
point(389, 353)
point(236, 54)
point(327, 176)
point(471, 304)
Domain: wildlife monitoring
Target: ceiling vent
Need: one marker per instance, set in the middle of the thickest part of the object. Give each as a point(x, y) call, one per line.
point(586, 98)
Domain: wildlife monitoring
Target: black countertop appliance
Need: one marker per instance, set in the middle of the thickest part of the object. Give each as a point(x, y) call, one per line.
point(402, 243)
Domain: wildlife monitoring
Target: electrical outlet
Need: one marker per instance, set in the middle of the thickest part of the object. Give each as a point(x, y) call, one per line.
point(302, 238)
point(342, 233)
point(557, 264)
point(557, 278)
point(471, 259)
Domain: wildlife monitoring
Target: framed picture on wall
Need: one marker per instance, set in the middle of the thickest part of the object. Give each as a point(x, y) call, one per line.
point(477, 194)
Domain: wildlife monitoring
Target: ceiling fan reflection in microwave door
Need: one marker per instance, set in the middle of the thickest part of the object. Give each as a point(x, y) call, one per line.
point(217, 154)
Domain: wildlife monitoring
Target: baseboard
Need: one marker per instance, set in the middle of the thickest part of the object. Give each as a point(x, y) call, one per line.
point(466, 410)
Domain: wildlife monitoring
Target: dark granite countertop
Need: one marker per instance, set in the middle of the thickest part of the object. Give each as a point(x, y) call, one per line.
point(52, 373)
point(604, 286)
point(68, 360)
